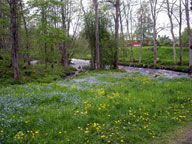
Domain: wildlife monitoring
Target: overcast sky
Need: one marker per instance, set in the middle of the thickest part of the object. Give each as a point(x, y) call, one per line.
point(162, 20)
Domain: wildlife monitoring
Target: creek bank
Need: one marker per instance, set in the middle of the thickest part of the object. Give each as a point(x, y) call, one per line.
point(79, 64)
point(161, 67)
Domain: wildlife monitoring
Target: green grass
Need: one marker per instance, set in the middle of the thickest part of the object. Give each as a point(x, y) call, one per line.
point(164, 53)
point(97, 107)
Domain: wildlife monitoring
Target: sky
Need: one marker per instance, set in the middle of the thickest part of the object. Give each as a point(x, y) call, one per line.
point(162, 20)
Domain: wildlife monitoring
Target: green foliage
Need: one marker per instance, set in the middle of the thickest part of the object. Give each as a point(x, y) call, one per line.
point(106, 42)
point(164, 41)
point(107, 51)
point(4, 25)
point(184, 37)
point(81, 50)
point(99, 107)
point(147, 23)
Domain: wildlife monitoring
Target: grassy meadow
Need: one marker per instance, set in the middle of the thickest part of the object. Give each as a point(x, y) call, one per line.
point(164, 53)
point(97, 107)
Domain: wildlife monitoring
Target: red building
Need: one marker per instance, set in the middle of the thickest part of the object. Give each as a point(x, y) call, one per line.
point(128, 43)
point(138, 43)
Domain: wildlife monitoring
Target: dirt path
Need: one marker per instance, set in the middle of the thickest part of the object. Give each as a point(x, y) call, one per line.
point(185, 137)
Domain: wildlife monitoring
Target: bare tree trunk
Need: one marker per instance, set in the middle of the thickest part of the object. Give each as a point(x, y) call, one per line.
point(26, 33)
point(121, 22)
point(180, 40)
point(64, 54)
point(131, 38)
point(155, 43)
point(44, 22)
point(189, 33)
point(153, 5)
point(97, 35)
point(170, 13)
point(117, 7)
point(14, 31)
point(141, 35)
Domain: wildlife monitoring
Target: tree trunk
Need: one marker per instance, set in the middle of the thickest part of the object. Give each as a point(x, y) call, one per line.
point(141, 38)
point(121, 22)
point(97, 35)
point(117, 7)
point(153, 5)
point(14, 31)
point(64, 54)
point(131, 38)
point(180, 40)
point(44, 22)
point(169, 13)
point(26, 33)
point(189, 33)
point(154, 43)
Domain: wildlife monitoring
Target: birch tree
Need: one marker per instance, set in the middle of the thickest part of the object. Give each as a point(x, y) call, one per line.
point(170, 10)
point(186, 4)
point(178, 15)
point(141, 34)
point(128, 12)
point(155, 9)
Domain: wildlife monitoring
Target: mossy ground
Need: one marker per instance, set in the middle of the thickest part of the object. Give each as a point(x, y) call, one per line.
point(32, 73)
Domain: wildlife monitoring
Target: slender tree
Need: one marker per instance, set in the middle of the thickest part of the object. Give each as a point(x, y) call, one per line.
point(64, 53)
point(141, 34)
point(116, 4)
point(26, 32)
point(170, 10)
point(154, 13)
point(14, 33)
point(97, 34)
point(180, 27)
point(189, 32)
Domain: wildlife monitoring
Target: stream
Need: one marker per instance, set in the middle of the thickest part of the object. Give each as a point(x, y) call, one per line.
point(79, 64)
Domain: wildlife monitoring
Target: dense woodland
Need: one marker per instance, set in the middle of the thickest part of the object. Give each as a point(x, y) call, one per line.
point(54, 31)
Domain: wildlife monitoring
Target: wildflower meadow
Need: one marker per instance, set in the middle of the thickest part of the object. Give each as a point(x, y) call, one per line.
point(96, 107)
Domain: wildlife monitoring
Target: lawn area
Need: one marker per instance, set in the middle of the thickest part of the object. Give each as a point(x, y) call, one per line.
point(164, 53)
point(96, 107)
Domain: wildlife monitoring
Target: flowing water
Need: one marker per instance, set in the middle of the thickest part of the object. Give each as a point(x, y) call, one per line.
point(79, 63)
